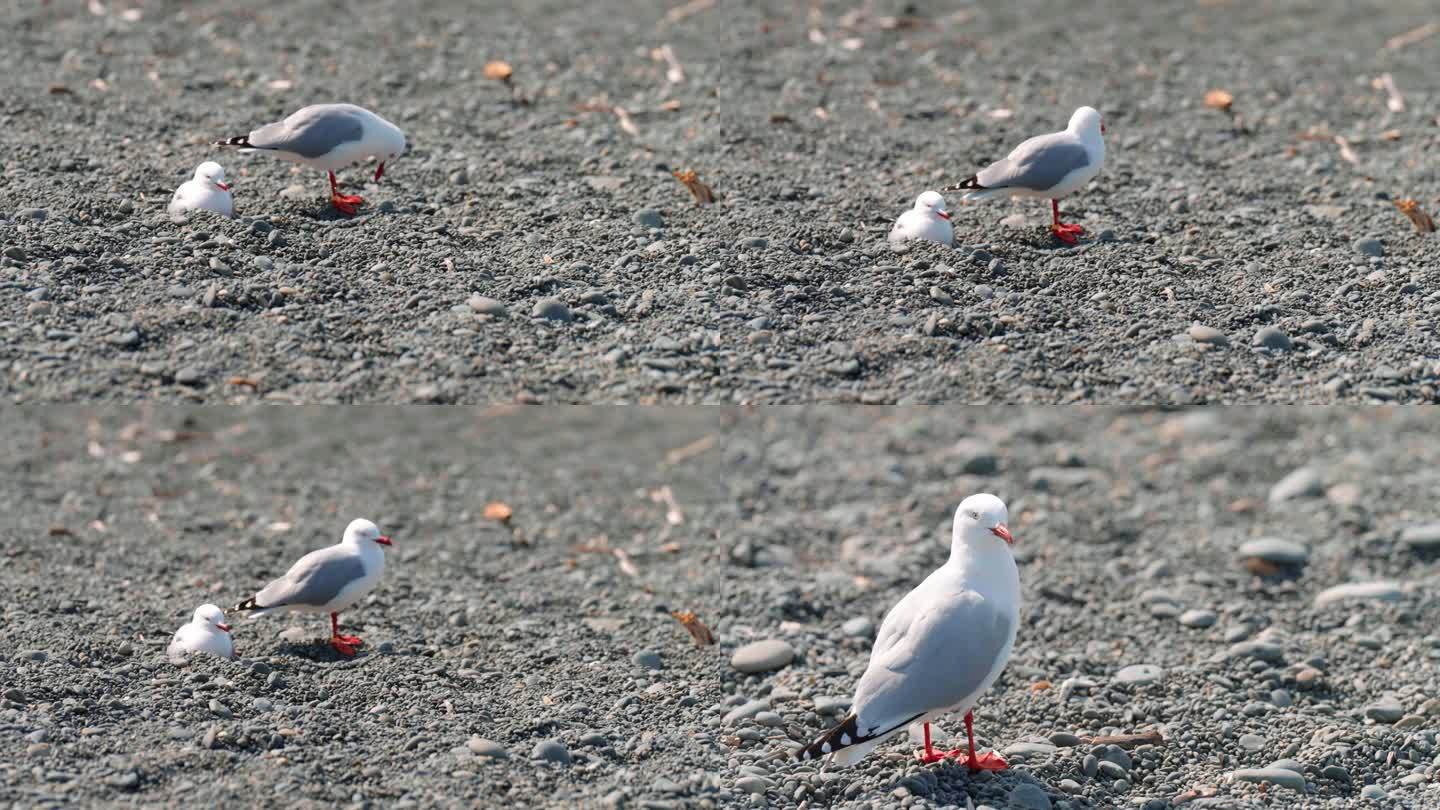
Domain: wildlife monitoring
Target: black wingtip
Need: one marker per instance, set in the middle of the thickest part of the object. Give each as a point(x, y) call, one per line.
point(242, 141)
point(248, 604)
point(972, 183)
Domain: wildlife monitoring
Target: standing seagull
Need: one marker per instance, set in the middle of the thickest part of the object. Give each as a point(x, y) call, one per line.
point(329, 137)
point(206, 632)
point(327, 581)
point(927, 220)
point(1051, 166)
point(940, 647)
point(207, 191)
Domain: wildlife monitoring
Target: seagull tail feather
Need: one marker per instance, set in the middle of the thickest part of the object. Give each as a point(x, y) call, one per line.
point(248, 604)
point(845, 735)
point(972, 183)
point(242, 141)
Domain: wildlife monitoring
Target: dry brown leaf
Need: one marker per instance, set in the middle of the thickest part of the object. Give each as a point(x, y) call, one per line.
point(60, 531)
point(1345, 151)
point(670, 106)
point(1422, 221)
point(1219, 100)
point(697, 629)
point(1393, 101)
point(248, 382)
point(499, 512)
point(625, 564)
point(692, 449)
point(679, 13)
point(1413, 36)
point(498, 71)
point(1127, 740)
point(1390, 135)
point(1040, 686)
point(702, 193)
point(781, 118)
point(1202, 792)
point(60, 90)
point(626, 123)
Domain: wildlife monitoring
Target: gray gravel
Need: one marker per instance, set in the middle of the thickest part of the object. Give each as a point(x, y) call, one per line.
point(521, 662)
point(530, 248)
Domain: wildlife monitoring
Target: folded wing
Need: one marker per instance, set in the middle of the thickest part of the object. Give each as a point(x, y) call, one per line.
point(1038, 164)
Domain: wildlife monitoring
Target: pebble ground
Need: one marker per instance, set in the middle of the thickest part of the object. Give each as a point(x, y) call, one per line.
point(533, 245)
point(1179, 572)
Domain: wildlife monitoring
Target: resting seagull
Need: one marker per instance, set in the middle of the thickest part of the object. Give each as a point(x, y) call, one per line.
point(940, 647)
point(927, 220)
point(206, 632)
point(329, 137)
point(327, 581)
point(206, 191)
point(1050, 166)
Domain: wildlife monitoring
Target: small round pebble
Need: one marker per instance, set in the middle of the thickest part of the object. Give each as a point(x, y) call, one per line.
point(763, 656)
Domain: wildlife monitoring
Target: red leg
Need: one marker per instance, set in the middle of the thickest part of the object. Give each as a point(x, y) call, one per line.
point(988, 761)
point(930, 755)
point(344, 203)
point(1065, 233)
point(345, 645)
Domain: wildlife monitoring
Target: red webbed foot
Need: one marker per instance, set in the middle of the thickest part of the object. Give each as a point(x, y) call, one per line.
point(345, 204)
point(341, 647)
point(988, 761)
point(353, 641)
point(931, 757)
point(1067, 233)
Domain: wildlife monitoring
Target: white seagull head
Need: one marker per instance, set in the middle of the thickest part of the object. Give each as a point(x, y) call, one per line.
point(362, 532)
point(1086, 122)
point(211, 615)
point(932, 203)
point(982, 519)
point(211, 174)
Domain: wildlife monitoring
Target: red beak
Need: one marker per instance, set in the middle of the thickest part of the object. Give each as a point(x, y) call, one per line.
point(379, 172)
point(224, 627)
point(223, 186)
point(945, 215)
point(1003, 533)
point(383, 539)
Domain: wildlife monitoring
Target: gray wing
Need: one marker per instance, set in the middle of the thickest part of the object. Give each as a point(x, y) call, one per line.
point(312, 131)
point(1038, 164)
point(315, 580)
point(937, 659)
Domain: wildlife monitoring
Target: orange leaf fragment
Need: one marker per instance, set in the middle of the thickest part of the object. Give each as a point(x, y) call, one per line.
point(498, 512)
point(1219, 100)
point(702, 193)
point(697, 629)
point(1423, 222)
point(498, 71)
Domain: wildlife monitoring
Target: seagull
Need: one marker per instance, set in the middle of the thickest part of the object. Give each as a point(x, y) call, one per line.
point(329, 137)
point(927, 220)
point(940, 647)
point(206, 632)
point(327, 581)
point(207, 191)
point(1051, 166)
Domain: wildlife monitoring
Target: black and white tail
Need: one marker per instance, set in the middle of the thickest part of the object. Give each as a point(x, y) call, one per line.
point(242, 141)
point(835, 740)
point(970, 184)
